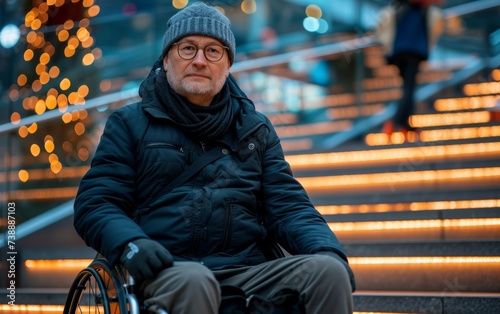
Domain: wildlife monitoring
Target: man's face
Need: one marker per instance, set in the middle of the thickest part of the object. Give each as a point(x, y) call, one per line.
point(198, 79)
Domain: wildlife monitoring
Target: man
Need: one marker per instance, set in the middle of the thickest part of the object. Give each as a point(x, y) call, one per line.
point(198, 247)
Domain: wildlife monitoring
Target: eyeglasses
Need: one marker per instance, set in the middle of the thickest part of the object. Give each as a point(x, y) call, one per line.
point(188, 51)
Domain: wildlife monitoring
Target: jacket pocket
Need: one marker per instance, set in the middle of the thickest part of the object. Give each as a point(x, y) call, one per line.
point(161, 162)
point(164, 145)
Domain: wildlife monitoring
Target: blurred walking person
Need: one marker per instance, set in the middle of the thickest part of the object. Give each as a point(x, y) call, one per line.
point(407, 31)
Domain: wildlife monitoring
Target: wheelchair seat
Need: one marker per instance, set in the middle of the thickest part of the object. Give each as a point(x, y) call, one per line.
point(101, 288)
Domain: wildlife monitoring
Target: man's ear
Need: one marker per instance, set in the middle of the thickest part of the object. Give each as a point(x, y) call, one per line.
point(165, 59)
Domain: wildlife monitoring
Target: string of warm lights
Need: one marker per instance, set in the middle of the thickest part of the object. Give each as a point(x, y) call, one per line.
point(44, 87)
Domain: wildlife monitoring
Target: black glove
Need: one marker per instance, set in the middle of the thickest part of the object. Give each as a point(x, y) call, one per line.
point(144, 258)
point(346, 265)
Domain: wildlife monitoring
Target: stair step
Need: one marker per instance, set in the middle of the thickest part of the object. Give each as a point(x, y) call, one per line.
point(418, 302)
point(430, 181)
point(430, 225)
point(49, 275)
point(47, 296)
point(462, 277)
point(397, 196)
point(493, 212)
point(458, 266)
point(430, 248)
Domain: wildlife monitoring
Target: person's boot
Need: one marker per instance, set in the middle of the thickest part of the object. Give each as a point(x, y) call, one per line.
point(388, 127)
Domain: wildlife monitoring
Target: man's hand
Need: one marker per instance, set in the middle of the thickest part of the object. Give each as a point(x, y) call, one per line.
point(144, 258)
point(346, 265)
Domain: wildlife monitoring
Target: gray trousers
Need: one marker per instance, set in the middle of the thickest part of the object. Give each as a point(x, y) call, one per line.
point(189, 287)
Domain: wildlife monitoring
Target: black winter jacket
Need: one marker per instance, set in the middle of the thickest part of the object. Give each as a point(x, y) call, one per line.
point(215, 217)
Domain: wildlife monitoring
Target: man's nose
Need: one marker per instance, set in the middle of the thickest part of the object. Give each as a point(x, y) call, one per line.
point(200, 57)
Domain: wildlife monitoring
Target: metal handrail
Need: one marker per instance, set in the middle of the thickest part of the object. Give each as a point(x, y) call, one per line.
point(125, 95)
point(347, 46)
point(471, 7)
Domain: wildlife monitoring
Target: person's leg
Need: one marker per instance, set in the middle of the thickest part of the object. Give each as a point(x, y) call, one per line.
point(411, 71)
point(408, 66)
point(400, 62)
point(321, 280)
point(186, 287)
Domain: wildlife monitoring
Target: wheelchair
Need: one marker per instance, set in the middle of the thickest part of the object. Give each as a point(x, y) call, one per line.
point(103, 289)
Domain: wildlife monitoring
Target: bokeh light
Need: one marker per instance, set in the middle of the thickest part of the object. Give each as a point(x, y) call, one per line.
point(15, 118)
point(311, 24)
point(9, 36)
point(248, 6)
point(179, 4)
point(35, 150)
point(314, 11)
point(23, 175)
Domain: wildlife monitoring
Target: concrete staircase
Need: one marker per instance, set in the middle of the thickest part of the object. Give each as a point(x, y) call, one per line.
point(419, 216)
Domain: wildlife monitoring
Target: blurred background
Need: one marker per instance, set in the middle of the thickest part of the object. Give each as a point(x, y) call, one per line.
point(419, 213)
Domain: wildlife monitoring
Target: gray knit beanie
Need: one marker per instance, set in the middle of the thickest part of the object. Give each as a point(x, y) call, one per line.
point(200, 19)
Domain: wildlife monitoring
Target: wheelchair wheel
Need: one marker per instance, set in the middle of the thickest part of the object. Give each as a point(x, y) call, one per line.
point(97, 289)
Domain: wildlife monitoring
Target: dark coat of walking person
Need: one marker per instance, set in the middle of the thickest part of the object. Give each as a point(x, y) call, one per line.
point(200, 247)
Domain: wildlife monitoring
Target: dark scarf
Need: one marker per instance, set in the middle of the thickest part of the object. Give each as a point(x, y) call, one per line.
point(207, 123)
